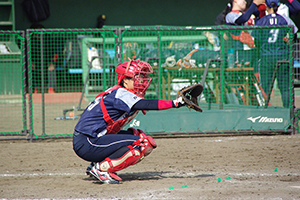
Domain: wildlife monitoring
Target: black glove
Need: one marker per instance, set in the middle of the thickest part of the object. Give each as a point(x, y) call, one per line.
point(188, 96)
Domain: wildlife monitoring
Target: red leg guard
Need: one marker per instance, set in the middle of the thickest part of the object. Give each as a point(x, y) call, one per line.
point(131, 157)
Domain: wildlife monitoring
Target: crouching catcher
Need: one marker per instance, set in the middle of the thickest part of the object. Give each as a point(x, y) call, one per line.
point(99, 137)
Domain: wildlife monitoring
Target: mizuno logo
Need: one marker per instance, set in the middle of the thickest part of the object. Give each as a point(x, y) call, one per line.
point(265, 119)
point(253, 119)
point(135, 123)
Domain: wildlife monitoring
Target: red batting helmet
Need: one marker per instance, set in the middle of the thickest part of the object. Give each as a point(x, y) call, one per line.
point(139, 71)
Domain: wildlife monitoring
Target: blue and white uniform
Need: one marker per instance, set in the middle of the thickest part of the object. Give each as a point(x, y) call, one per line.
point(94, 140)
point(98, 136)
point(90, 141)
point(273, 48)
point(118, 103)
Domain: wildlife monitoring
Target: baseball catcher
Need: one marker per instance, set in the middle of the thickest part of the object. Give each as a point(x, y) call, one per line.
point(98, 136)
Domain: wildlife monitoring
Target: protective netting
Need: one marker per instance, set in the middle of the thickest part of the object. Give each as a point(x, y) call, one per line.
point(240, 68)
point(68, 69)
point(228, 62)
point(12, 83)
point(235, 66)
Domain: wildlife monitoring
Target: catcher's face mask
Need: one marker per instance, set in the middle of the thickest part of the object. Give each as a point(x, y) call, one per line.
point(137, 70)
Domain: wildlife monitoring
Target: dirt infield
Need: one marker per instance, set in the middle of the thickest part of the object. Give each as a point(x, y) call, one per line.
point(240, 167)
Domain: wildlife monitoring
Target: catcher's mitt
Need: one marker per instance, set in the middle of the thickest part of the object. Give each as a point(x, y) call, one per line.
point(190, 95)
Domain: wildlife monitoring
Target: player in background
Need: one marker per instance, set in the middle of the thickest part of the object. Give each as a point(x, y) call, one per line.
point(220, 19)
point(237, 12)
point(241, 42)
point(274, 46)
point(290, 8)
point(98, 137)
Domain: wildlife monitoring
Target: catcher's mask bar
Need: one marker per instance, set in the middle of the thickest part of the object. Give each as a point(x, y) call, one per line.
point(142, 80)
point(139, 71)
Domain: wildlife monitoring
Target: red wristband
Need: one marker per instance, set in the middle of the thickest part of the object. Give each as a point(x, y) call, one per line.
point(165, 104)
point(291, 1)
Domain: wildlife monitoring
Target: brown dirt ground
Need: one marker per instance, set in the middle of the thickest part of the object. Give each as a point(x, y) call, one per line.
point(180, 168)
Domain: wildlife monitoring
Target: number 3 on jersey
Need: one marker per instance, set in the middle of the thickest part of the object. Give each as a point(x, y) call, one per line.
point(274, 35)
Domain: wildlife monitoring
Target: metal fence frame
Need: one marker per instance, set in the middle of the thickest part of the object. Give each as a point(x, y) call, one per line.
point(28, 131)
point(24, 130)
point(29, 32)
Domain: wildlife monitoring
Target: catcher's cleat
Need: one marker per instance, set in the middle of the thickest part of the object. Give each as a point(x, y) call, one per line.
point(105, 177)
point(89, 168)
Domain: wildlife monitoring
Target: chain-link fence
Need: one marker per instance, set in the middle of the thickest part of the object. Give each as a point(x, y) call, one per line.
point(241, 57)
point(68, 68)
point(12, 83)
point(242, 69)
point(296, 55)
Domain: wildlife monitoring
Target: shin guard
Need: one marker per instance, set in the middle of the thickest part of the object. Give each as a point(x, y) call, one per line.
point(146, 144)
point(131, 157)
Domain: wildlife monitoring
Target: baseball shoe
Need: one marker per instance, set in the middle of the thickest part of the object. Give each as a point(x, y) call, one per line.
point(89, 168)
point(105, 177)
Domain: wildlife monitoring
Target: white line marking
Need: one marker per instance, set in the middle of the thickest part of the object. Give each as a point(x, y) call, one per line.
point(295, 187)
point(166, 174)
point(41, 174)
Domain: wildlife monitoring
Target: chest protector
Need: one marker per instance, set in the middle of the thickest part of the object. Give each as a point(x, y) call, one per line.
point(114, 127)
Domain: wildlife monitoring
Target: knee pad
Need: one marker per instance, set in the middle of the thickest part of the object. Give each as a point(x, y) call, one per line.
point(146, 143)
point(131, 157)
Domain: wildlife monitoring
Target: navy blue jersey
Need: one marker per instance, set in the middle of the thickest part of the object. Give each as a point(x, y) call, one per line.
point(276, 20)
point(271, 41)
point(118, 104)
point(294, 7)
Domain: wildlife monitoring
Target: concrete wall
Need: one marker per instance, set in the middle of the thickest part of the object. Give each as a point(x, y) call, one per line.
point(84, 13)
